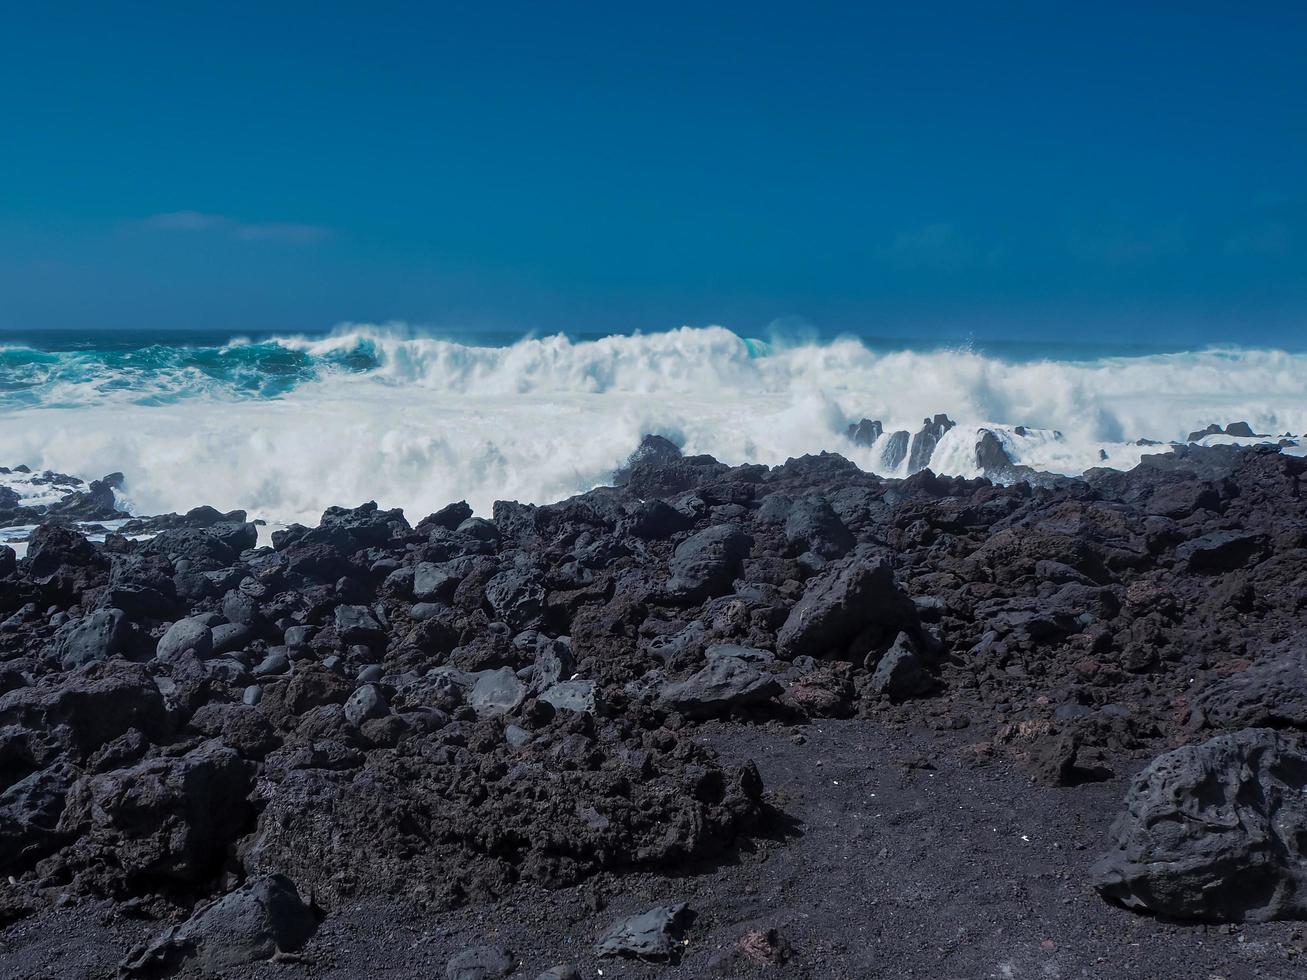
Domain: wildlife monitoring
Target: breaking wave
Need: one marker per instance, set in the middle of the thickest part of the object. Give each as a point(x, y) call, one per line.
point(286, 426)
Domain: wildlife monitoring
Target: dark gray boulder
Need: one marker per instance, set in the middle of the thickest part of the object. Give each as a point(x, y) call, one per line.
point(228, 637)
point(705, 564)
point(481, 963)
point(517, 597)
point(29, 816)
point(96, 637)
point(864, 433)
point(358, 624)
point(496, 692)
point(571, 696)
point(433, 581)
point(848, 597)
point(1272, 693)
point(652, 935)
point(263, 917)
point(902, 672)
point(1214, 832)
point(192, 633)
point(164, 817)
point(367, 702)
point(812, 525)
point(733, 651)
point(725, 683)
point(1220, 551)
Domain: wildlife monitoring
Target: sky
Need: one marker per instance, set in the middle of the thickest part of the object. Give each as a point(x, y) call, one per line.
point(1108, 171)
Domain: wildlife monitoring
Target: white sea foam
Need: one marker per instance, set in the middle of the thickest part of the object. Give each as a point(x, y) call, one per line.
point(414, 421)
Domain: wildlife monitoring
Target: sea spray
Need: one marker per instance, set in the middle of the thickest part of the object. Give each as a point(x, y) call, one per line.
point(286, 426)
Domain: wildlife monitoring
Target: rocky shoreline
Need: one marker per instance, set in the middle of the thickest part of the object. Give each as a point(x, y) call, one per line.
point(215, 756)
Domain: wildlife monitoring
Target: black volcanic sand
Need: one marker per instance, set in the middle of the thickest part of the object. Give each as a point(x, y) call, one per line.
point(944, 689)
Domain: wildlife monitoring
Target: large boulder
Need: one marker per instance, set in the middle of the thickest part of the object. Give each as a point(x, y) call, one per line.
point(517, 597)
point(83, 710)
point(902, 672)
point(812, 525)
point(1214, 832)
point(481, 963)
point(850, 596)
point(1272, 693)
point(725, 683)
point(29, 814)
point(164, 817)
point(96, 637)
point(263, 917)
point(705, 564)
point(652, 935)
point(192, 633)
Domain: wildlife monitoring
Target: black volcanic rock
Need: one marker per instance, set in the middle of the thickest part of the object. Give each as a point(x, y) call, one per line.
point(865, 433)
point(1214, 832)
point(186, 712)
point(262, 918)
point(925, 440)
point(851, 596)
point(896, 449)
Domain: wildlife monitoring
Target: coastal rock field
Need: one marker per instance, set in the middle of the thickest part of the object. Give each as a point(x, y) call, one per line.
point(798, 721)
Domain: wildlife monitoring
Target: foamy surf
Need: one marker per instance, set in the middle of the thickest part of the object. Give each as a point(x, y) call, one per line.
point(285, 427)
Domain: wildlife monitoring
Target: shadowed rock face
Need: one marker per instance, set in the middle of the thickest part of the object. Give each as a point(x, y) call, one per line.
point(1215, 832)
point(189, 711)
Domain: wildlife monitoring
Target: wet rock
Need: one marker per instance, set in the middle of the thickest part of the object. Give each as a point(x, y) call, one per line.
point(263, 917)
point(653, 935)
point(992, 457)
point(895, 451)
point(1214, 832)
point(925, 441)
point(481, 963)
point(864, 433)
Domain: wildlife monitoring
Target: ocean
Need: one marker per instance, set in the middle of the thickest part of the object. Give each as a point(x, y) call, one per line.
point(285, 425)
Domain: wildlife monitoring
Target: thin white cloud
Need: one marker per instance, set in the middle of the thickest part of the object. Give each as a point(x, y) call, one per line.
point(247, 231)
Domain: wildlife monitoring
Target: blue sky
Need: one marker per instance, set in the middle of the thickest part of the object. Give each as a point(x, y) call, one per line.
point(1105, 171)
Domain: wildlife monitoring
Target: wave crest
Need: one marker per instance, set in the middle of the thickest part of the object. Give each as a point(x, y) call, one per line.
point(288, 425)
